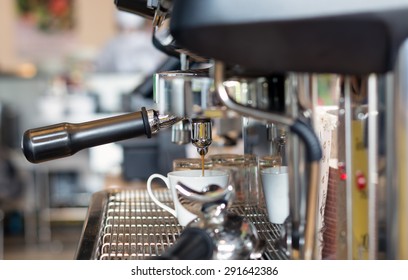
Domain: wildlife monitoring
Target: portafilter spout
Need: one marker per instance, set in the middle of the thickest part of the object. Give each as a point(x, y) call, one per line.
point(201, 134)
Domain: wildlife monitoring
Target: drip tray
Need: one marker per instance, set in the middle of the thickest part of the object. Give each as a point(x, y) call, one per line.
point(127, 225)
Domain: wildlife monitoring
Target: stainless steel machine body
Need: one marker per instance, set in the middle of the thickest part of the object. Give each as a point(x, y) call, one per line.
point(262, 58)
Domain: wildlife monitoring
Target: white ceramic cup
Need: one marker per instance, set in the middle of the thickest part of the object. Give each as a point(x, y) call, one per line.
point(191, 178)
point(275, 184)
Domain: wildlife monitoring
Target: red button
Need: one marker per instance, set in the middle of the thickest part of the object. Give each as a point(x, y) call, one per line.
point(361, 180)
point(342, 171)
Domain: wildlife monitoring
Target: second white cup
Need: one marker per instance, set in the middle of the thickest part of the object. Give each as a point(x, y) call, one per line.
point(275, 184)
point(191, 178)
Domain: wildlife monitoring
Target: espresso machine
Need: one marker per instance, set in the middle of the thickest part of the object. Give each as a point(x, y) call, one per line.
point(257, 62)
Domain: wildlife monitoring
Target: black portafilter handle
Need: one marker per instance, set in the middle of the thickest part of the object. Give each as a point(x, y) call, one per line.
point(138, 7)
point(65, 139)
point(193, 244)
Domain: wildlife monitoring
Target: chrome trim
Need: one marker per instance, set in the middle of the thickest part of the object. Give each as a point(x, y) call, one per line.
point(348, 112)
point(372, 165)
point(219, 76)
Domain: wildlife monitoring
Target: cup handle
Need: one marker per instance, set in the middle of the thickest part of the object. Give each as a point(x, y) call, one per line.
point(153, 197)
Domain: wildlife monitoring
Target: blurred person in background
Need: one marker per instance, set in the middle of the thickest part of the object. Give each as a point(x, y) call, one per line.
point(131, 50)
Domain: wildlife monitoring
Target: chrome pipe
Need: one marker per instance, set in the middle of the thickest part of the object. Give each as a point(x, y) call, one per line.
point(372, 165)
point(219, 74)
point(348, 165)
point(391, 161)
point(297, 209)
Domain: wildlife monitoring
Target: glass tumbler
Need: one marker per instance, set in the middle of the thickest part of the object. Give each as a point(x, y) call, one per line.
point(191, 164)
point(243, 170)
point(268, 161)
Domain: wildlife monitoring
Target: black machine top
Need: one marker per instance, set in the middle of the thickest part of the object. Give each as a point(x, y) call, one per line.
point(268, 36)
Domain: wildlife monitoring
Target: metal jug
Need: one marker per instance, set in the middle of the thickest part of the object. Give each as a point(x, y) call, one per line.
point(233, 237)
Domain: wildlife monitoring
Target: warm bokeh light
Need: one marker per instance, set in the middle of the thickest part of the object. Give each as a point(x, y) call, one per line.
point(26, 70)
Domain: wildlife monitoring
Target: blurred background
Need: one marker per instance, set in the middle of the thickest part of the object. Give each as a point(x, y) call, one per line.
point(67, 61)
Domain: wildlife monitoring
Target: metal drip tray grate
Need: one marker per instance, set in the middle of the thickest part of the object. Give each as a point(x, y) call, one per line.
point(128, 225)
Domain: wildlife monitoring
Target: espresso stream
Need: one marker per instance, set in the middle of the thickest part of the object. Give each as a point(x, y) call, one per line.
point(202, 165)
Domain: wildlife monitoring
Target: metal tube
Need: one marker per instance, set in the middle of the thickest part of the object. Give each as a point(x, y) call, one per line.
point(348, 161)
point(304, 90)
point(244, 110)
point(372, 165)
point(310, 193)
point(296, 211)
point(391, 187)
point(311, 212)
